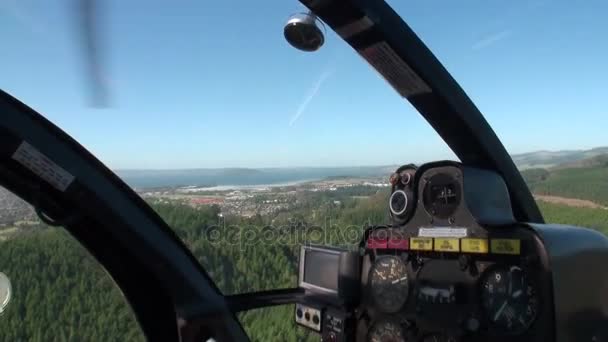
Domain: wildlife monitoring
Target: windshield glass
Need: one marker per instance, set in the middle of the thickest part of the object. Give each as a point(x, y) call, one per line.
point(234, 136)
point(248, 147)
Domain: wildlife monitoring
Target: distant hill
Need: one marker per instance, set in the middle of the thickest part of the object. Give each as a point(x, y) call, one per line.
point(547, 159)
point(596, 161)
point(249, 176)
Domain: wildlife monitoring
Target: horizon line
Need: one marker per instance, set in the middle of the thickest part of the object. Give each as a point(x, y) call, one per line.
point(332, 167)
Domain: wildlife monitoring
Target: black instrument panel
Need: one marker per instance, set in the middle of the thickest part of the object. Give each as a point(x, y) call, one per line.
point(454, 266)
point(458, 296)
point(449, 194)
point(440, 200)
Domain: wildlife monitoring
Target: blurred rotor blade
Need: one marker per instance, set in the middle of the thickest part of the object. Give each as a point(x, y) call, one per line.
point(88, 16)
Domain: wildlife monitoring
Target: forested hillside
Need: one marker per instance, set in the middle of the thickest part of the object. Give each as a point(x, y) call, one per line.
point(584, 183)
point(586, 179)
point(61, 294)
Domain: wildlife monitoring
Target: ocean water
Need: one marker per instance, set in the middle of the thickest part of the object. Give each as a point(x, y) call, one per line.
point(223, 177)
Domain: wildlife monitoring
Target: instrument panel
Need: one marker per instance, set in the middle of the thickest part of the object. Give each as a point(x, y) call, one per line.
point(457, 296)
point(454, 265)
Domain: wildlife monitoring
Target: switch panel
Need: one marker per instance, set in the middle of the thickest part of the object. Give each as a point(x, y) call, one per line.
point(309, 317)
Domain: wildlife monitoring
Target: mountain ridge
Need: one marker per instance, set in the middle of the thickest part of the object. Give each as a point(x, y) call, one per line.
point(532, 158)
point(147, 178)
point(548, 159)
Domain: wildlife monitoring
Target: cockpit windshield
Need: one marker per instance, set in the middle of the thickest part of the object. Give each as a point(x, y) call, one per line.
point(248, 147)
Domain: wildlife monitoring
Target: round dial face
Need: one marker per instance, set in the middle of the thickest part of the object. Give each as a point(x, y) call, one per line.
point(389, 283)
point(398, 202)
point(405, 177)
point(386, 331)
point(509, 299)
point(441, 195)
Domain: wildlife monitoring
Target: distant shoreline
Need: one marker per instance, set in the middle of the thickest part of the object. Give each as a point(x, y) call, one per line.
point(191, 188)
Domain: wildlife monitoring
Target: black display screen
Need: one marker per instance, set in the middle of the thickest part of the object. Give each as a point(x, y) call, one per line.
point(321, 269)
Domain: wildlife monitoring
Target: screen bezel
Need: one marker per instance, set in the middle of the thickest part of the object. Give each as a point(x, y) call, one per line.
point(313, 287)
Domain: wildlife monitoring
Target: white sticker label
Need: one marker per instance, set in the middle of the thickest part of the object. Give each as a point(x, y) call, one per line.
point(443, 232)
point(28, 156)
point(394, 70)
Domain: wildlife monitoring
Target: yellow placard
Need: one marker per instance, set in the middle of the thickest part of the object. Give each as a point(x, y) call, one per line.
point(421, 244)
point(447, 245)
point(505, 246)
point(474, 245)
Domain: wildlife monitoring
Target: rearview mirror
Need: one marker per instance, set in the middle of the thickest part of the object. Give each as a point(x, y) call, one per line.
point(303, 32)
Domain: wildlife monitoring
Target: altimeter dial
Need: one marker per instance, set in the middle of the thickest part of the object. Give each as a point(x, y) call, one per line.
point(389, 283)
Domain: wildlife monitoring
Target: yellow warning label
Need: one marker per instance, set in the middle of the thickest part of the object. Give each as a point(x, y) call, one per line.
point(505, 246)
point(474, 245)
point(421, 244)
point(447, 245)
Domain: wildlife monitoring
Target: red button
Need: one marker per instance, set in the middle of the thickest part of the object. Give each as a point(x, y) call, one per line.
point(376, 243)
point(399, 244)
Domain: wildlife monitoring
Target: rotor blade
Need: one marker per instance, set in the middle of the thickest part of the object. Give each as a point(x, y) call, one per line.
point(90, 34)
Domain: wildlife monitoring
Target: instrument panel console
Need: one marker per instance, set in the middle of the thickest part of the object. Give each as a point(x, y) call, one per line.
point(497, 292)
point(453, 264)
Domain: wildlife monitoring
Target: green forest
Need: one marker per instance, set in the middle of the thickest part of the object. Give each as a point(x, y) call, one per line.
point(62, 294)
point(588, 183)
point(586, 179)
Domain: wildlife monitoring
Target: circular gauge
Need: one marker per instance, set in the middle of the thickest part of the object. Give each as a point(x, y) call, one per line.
point(509, 299)
point(389, 283)
point(405, 177)
point(441, 195)
point(398, 202)
point(5, 291)
point(386, 331)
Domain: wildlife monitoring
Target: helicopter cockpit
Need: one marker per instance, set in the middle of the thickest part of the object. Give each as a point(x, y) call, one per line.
point(466, 255)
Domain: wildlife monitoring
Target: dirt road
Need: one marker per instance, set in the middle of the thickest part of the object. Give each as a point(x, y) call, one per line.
point(573, 202)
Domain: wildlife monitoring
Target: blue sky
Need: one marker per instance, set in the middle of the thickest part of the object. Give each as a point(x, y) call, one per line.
point(214, 84)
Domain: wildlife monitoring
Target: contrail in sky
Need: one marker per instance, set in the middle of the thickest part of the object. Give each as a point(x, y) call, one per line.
point(492, 39)
point(314, 90)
